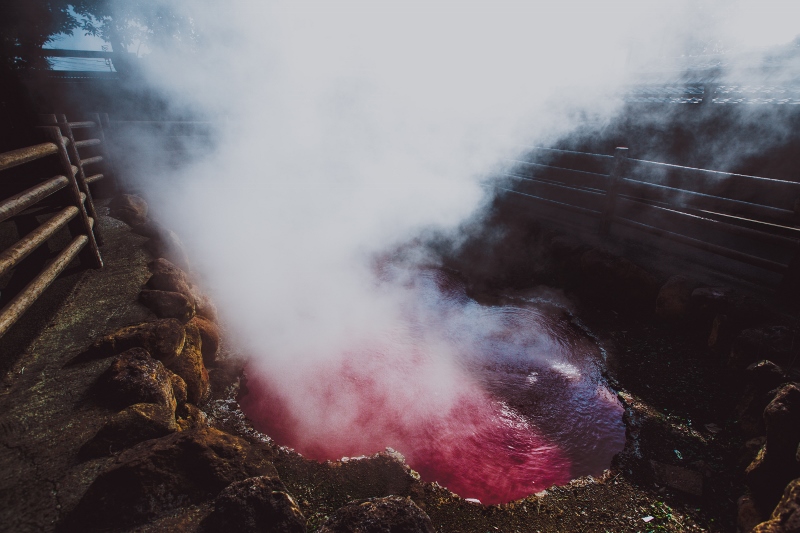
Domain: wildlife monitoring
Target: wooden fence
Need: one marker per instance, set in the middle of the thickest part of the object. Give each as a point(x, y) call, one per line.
point(750, 219)
point(63, 200)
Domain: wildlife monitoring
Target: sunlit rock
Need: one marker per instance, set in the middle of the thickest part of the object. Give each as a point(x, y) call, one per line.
point(379, 515)
point(159, 475)
point(135, 377)
point(132, 425)
point(166, 304)
point(163, 339)
point(254, 505)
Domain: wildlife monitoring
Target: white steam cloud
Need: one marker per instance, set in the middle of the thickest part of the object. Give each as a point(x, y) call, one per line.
point(347, 128)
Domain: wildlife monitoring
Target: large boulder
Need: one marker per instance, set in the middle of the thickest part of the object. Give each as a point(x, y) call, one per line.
point(763, 378)
point(786, 516)
point(209, 335)
point(129, 208)
point(782, 419)
point(391, 514)
point(190, 417)
point(189, 366)
point(255, 505)
point(168, 304)
point(742, 310)
point(775, 343)
point(674, 298)
point(163, 339)
point(135, 377)
point(205, 307)
point(169, 246)
point(160, 475)
point(775, 465)
point(167, 277)
point(132, 425)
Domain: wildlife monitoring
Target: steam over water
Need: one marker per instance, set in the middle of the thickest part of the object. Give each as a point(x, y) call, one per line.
point(494, 403)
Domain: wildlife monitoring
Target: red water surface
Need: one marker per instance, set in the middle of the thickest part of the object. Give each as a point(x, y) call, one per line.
point(476, 447)
point(494, 403)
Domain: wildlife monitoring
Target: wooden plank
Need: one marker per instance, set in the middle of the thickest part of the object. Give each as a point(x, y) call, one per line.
point(86, 143)
point(705, 224)
point(695, 200)
point(563, 205)
point(21, 201)
point(84, 124)
point(559, 192)
point(703, 245)
point(26, 155)
point(780, 194)
point(20, 303)
point(569, 176)
point(11, 256)
point(92, 160)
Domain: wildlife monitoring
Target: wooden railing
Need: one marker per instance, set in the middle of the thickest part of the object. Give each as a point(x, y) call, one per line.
point(750, 219)
point(69, 205)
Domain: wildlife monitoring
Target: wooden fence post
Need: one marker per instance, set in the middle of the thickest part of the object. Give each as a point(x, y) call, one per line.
point(618, 168)
point(80, 176)
point(90, 255)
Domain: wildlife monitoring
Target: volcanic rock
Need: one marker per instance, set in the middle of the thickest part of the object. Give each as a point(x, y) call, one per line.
point(169, 246)
point(764, 375)
point(782, 419)
point(786, 516)
point(674, 298)
point(775, 465)
point(189, 365)
point(150, 229)
point(166, 304)
point(129, 208)
point(722, 332)
point(178, 388)
point(191, 417)
point(167, 277)
point(205, 307)
point(255, 505)
point(763, 378)
point(742, 310)
point(209, 335)
point(747, 515)
point(391, 514)
point(677, 477)
point(162, 474)
point(132, 425)
point(769, 342)
point(163, 339)
point(135, 377)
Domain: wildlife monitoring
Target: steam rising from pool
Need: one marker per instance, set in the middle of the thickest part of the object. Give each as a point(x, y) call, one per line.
point(494, 403)
point(345, 129)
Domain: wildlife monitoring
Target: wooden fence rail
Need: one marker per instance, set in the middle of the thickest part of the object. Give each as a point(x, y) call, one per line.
point(69, 205)
point(750, 219)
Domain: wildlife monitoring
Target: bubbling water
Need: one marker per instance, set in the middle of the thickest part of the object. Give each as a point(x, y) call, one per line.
point(494, 403)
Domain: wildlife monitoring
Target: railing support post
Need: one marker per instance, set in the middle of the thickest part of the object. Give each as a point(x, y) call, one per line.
point(618, 168)
point(90, 254)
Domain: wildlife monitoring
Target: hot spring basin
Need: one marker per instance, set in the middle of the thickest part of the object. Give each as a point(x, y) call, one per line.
point(494, 403)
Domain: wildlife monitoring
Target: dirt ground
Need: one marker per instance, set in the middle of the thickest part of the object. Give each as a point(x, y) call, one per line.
point(678, 415)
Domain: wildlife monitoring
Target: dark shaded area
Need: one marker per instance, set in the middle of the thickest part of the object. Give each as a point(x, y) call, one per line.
point(760, 140)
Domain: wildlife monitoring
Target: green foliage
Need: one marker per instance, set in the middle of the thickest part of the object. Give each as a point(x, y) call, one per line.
point(27, 25)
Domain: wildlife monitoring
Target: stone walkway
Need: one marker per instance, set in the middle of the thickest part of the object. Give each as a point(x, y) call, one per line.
point(45, 413)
